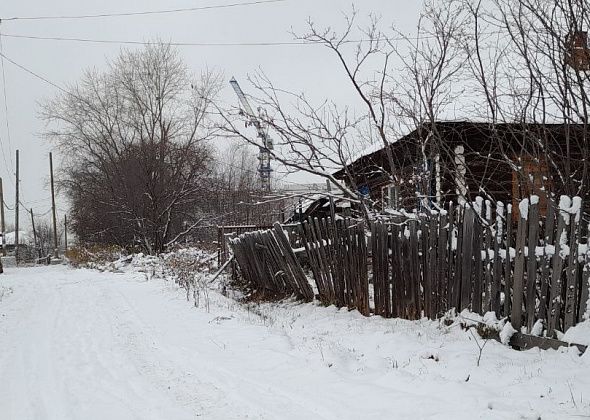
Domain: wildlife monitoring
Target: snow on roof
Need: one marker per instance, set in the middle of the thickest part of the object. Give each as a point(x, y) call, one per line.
point(367, 150)
point(23, 237)
point(297, 187)
point(307, 202)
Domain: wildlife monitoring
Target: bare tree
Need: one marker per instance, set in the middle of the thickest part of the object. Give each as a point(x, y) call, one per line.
point(399, 83)
point(518, 69)
point(135, 141)
point(529, 63)
point(44, 237)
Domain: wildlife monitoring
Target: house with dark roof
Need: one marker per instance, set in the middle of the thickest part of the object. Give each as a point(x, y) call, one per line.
point(459, 160)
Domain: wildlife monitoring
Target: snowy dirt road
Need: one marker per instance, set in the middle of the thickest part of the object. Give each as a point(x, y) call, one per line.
point(79, 344)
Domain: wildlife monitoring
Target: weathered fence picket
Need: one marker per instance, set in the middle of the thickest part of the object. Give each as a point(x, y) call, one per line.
point(464, 257)
point(508, 262)
point(545, 277)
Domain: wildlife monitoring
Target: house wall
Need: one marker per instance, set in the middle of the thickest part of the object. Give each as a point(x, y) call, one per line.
point(492, 165)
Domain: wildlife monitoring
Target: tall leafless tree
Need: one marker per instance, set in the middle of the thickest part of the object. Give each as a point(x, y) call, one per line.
point(521, 68)
point(134, 137)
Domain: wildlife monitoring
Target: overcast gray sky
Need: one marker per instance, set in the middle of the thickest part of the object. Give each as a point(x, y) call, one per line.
point(299, 68)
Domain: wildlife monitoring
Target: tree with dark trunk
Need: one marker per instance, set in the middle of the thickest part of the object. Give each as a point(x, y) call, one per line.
point(137, 162)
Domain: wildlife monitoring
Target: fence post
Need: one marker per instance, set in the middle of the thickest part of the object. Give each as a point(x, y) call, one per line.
point(546, 260)
point(572, 270)
point(415, 270)
point(425, 260)
point(531, 286)
point(508, 263)
point(478, 229)
point(441, 278)
point(495, 297)
point(557, 266)
point(467, 257)
point(519, 264)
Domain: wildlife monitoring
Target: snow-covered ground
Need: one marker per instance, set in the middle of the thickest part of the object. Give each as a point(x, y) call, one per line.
point(80, 344)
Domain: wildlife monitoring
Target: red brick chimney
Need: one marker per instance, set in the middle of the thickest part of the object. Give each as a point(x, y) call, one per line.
point(578, 52)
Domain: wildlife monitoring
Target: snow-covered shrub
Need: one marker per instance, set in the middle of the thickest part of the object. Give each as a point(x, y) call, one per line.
point(190, 269)
point(94, 256)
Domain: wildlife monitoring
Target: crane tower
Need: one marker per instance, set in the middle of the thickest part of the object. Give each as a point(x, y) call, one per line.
point(264, 169)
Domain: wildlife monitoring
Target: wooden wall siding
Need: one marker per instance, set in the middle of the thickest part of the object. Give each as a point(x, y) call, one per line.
point(534, 180)
point(465, 257)
point(486, 166)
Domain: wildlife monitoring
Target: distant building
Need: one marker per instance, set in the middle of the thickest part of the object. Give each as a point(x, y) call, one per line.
point(23, 239)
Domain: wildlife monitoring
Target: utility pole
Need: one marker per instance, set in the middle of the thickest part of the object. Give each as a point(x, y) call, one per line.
point(55, 255)
point(65, 233)
point(16, 209)
point(34, 231)
point(2, 223)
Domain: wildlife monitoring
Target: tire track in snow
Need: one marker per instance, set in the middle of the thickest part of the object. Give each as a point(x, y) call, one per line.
point(223, 390)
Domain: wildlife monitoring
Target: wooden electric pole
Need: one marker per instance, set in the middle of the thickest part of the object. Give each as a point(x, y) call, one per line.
point(65, 233)
point(55, 255)
point(16, 209)
point(2, 222)
point(34, 231)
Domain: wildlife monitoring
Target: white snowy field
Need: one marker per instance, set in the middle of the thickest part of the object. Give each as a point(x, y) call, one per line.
point(80, 344)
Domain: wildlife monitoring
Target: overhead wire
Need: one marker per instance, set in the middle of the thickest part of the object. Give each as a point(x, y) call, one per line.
point(20, 66)
point(40, 200)
point(28, 208)
point(4, 57)
point(143, 13)
point(133, 42)
point(44, 79)
point(7, 206)
point(90, 16)
point(207, 44)
point(173, 43)
point(203, 44)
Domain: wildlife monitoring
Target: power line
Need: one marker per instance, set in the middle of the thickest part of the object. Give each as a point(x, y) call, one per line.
point(409, 38)
point(4, 57)
point(9, 208)
point(177, 44)
point(143, 13)
point(31, 72)
point(204, 44)
point(38, 214)
point(42, 200)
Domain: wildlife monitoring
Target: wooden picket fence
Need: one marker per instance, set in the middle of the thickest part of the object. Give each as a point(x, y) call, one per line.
point(225, 232)
point(472, 256)
point(337, 255)
point(268, 263)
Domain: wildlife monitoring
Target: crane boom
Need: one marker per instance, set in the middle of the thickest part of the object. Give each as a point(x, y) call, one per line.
point(264, 158)
point(250, 114)
point(242, 97)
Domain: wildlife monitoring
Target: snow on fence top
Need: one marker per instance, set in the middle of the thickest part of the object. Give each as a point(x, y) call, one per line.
point(534, 268)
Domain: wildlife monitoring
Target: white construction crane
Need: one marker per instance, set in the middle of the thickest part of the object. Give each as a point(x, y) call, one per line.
point(264, 168)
